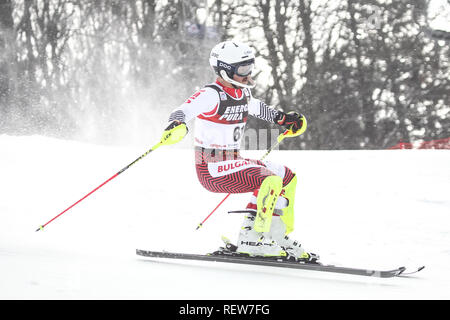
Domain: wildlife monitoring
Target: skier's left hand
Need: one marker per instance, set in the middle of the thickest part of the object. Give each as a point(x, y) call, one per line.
point(174, 133)
point(292, 120)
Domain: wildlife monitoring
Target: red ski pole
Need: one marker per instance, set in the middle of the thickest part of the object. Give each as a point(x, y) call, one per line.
point(170, 137)
point(87, 195)
point(279, 139)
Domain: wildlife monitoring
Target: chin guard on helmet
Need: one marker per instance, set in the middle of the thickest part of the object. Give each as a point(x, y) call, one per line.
point(225, 77)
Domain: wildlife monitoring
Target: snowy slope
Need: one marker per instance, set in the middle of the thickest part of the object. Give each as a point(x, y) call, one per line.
point(375, 209)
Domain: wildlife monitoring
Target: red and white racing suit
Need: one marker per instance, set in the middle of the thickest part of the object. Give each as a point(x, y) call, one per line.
point(220, 116)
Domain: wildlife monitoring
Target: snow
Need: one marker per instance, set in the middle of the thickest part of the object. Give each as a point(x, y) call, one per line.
point(373, 209)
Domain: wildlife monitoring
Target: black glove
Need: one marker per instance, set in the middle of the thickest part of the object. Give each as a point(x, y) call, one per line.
point(291, 120)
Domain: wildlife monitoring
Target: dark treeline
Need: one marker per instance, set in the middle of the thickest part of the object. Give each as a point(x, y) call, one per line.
point(366, 74)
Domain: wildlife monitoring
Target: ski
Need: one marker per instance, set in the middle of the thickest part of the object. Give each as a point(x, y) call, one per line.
point(275, 263)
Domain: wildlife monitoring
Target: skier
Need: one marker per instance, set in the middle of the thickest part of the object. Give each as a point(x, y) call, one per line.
point(220, 110)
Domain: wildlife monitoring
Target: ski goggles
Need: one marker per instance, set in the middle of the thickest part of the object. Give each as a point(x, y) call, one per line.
point(244, 70)
point(241, 69)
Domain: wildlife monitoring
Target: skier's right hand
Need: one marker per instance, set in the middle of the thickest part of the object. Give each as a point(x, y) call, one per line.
point(174, 133)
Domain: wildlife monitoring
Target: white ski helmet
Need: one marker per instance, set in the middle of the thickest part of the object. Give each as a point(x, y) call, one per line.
point(231, 57)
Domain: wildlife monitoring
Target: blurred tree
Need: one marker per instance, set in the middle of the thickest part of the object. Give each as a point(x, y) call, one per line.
point(366, 73)
point(361, 71)
point(7, 59)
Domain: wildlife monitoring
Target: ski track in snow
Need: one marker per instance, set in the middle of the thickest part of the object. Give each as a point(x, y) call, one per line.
point(371, 209)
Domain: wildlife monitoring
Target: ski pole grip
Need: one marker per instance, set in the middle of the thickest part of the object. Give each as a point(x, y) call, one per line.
point(282, 136)
point(174, 135)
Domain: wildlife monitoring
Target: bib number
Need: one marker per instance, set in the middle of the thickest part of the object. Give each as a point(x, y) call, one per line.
point(238, 132)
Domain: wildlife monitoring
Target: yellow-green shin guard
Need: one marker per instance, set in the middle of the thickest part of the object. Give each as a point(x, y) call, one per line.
point(288, 212)
point(267, 198)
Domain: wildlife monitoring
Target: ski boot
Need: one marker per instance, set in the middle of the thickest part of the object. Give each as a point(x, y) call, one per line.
point(256, 244)
point(293, 248)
